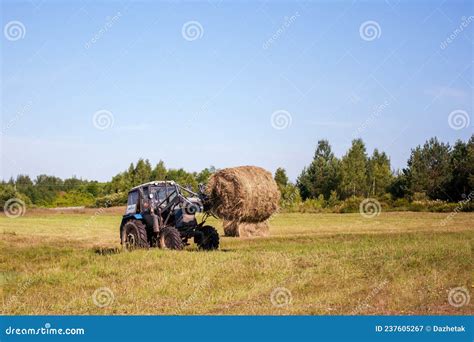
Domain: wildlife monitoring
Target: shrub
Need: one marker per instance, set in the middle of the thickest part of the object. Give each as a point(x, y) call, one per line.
point(312, 206)
point(73, 199)
point(420, 196)
point(350, 205)
point(116, 199)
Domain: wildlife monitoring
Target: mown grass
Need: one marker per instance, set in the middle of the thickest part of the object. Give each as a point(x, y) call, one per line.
point(396, 263)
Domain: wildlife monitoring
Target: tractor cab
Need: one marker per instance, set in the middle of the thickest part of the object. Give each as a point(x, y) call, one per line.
point(166, 206)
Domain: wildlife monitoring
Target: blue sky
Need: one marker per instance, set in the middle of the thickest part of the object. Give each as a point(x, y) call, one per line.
point(208, 99)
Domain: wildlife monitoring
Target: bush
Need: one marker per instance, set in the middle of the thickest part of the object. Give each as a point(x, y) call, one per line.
point(312, 206)
point(401, 204)
point(113, 200)
point(350, 205)
point(333, 199)
point(290, 198)
point(73, 199)
point(434, 206)
point(8, 192)
point(419, 196)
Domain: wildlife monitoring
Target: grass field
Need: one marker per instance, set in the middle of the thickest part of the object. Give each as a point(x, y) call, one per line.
point(396, 263)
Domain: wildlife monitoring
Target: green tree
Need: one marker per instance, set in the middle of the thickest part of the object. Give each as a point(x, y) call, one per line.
point(72, 184)
point(281, 178)
point(183, 178)
point(290, 195)
point(429, 169)
point(379, 173)
point(323, 174)
point(203, 176)
point(304, 183)
point(159, 172)
point(92, 188)
point(354, 171)
point(399, 187)
point(142, 172)
point(462, 166)
point(46, 189)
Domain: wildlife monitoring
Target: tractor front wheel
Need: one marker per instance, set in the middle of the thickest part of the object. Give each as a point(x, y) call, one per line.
point(208, 239)
point(134, 235)
point(170, 238)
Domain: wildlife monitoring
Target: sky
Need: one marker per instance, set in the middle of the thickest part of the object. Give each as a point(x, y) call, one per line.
point(89, 86)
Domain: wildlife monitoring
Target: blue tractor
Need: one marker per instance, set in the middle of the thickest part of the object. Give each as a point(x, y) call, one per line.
point(159, 214)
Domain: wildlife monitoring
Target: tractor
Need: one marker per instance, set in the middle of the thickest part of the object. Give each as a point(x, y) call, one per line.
point(163, 214)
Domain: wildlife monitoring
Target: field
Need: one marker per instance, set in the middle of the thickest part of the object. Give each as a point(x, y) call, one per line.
point(316, 264)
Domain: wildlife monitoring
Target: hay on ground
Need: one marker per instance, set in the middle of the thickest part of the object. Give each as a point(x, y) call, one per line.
point(245, 229)
point(243, 194)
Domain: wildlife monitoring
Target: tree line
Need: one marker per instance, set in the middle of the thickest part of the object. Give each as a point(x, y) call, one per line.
point(435, 171)
point(51, 191)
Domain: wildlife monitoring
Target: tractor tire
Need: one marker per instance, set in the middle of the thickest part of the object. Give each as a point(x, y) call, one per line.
point(170, 238)
point(209, 240)
point(134, 235)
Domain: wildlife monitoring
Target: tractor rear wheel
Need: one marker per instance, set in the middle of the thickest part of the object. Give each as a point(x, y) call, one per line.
point(170, 238)
point(134, 235)
point(208, 239)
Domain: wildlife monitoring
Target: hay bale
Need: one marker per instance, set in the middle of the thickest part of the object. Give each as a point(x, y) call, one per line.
point(245, 229)
point(243, 194)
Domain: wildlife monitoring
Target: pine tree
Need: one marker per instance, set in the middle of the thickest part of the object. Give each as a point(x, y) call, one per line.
point(323, 174)
point(354, 171)
point(429, 169)
point(462, 166)
point(159, 172)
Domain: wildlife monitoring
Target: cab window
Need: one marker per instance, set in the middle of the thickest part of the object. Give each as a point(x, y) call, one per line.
point(161, 192)
point(132, 198)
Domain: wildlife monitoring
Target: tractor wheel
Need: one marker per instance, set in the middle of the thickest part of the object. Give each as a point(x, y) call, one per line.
point(170, 238)
point(134, 235)
point(209, 240)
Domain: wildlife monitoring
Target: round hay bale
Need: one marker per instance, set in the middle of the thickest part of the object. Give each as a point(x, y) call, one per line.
point(243, 194)
point(244, 229)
